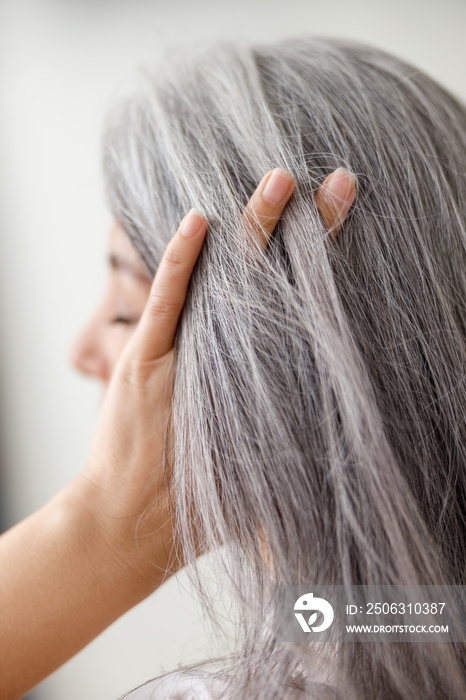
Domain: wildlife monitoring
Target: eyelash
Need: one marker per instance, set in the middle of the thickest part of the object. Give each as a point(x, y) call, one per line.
point(127, 321)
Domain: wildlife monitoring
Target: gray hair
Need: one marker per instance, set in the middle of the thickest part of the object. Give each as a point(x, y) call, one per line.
point(319, 392)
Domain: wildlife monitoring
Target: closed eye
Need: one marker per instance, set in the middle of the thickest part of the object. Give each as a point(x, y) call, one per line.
point(122, 319)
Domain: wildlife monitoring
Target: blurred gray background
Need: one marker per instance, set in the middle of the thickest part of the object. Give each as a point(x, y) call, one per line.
point(60, 64)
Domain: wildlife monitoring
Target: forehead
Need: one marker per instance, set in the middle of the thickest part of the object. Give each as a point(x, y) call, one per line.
point(120, 244)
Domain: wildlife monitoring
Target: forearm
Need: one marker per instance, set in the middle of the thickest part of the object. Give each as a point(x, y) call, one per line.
point(66, 573)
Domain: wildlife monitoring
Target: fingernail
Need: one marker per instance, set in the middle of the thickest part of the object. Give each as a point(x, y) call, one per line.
point(341, 187)
point(277, 186)
point(191, 224)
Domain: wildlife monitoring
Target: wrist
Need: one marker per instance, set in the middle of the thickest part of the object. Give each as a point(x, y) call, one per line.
point(132, 550)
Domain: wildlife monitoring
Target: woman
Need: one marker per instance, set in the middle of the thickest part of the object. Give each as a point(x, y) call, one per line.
point(70, 569)
point(74, 566)
point(316, 423)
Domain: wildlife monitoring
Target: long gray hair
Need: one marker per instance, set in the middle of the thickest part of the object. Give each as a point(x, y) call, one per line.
point(318, 412)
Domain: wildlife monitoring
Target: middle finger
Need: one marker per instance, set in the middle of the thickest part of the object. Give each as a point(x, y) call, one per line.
point(266, 205)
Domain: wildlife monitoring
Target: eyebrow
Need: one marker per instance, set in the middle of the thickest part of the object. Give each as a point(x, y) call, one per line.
point(117, 262)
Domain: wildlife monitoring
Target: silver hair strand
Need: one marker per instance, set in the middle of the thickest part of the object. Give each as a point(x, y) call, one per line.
point(319, 398)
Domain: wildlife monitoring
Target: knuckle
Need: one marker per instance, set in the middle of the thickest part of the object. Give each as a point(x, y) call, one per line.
point(174, 258)
point(260, 218)
point(250, 217)
point(134, 375)
point(259, 228)
point(251, 227)
point(126, 374)
point(161, 305)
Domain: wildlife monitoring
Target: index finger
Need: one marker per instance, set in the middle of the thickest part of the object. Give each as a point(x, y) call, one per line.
point(155, 333)
point(266, 205)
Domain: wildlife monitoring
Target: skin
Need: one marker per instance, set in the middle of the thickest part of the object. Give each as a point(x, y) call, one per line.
point(97, 349)
point(74, 566)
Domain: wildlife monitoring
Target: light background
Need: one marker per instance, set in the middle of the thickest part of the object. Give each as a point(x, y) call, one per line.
point(60, 64)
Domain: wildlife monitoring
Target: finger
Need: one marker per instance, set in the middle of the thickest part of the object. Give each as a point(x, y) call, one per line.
point(335, 198)
point(155, 333)
point(266, 205)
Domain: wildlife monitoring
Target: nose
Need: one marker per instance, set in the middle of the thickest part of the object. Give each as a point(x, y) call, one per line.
point(87, 353)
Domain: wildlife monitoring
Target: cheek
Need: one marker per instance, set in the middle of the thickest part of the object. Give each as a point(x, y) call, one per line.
point(116, 343)
point(122, 300)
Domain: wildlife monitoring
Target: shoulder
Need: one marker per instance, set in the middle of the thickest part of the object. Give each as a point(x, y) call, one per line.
point(180, 685)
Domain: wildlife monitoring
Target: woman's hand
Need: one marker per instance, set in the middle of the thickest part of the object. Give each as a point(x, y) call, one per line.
point(104, 542)
point(126, 475)
point(126, 464)
point(125, 471)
